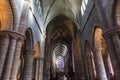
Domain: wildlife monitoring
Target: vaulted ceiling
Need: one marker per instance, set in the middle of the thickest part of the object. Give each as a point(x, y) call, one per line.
point(48, 9)
point(52, 8)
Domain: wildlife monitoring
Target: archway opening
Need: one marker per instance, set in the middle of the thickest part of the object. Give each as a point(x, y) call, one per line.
point(60, 39)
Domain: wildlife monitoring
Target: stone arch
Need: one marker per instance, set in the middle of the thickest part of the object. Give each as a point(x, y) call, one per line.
point(6, 15)
point(96, 27)
point(60, 14)
point(98, 40)
point(61, 29)
point(29, 39)
point(97, 36)
point(66, 27)
point(14, 14)
point(59, 33)
point(66, 39)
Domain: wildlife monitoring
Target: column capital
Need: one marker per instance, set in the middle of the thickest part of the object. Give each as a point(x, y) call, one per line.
point(111, 32)
point(29, 51)
point(13, 34)
point(5, 35)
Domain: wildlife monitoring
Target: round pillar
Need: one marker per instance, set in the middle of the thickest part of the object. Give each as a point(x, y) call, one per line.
point(100, 69)
point(16, 59)
point(9, 59)
point(114, 57)
point(113, 43)
point(4, 43)
point(28, 65)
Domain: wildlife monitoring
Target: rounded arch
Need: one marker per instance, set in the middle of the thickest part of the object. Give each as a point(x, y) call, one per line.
point(97, 34)
point(29, 39)
point(61, 24)
point(60, 29)
point(61, 15)
point(94, 32)
point(97, 37)
point(99, 41)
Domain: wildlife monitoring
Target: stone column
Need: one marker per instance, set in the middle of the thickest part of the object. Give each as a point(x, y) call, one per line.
point(9, 59)
point(41, 68)
point(100, 69)
point(90, 66)
point(110, 64)
point(36, 68)
point(113, 42)
point(114, 57)
point(16, 60)
point(4, 43)
point(85, 67)
point(116, 41)
point(79, 70)
point(46, 64)
point(28, 65)
point(41, 63)
point(105, 59)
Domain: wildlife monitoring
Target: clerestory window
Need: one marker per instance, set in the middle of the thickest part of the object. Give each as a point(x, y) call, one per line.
point(83, 6)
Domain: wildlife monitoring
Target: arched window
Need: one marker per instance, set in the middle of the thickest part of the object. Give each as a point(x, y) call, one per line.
point(60, 63)
point(83, 6)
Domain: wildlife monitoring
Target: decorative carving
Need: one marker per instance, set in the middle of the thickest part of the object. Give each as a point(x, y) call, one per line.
point(110, 32)
point(12, 34)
